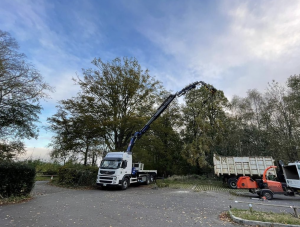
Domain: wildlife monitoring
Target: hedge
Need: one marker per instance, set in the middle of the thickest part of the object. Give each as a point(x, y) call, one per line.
point(16, 179)
point(77, 176)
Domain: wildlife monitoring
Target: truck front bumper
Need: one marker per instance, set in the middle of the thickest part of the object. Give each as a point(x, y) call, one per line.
point(105, 180)
point(109, 185)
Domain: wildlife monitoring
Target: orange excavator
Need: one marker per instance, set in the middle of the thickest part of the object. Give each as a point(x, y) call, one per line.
point(264, 187)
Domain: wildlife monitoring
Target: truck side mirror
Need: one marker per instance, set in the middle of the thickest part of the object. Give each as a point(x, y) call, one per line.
point(124, 164)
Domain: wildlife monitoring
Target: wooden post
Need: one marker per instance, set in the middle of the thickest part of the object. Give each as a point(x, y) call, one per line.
point(295, 211)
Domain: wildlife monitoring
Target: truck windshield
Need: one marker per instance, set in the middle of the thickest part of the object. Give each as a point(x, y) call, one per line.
point(110, 164)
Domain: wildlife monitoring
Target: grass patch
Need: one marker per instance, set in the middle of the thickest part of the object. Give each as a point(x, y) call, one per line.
point(239, 192)
point(43, 178)
point(14, 199)
point(281, 218)
point(190, 181)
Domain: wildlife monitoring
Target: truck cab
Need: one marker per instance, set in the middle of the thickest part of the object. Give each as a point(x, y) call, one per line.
point(292, 174)
point(114, 169)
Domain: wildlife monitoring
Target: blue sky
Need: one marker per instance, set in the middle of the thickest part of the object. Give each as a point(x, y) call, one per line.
point(234, 45)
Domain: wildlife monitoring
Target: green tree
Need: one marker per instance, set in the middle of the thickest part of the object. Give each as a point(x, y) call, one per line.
point(283, 127)
point(251, 113)
point(120, 95)
point(21, 88)
point(161, 147)
point(75, 134)
point(269, 123)
point(114, 100)
point(293, 97)
point(204, 116)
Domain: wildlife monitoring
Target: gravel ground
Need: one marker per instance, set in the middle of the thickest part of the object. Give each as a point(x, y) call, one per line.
point(137, 206)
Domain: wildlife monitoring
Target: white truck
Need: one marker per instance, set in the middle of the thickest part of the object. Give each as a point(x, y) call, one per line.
point(117, 168)
point(291, 174)
point(231, 168)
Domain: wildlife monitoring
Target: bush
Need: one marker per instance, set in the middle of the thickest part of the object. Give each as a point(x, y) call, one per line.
point(50, 172)
point(45, 168)
point(17, 179)
point(187, 177)
point(77, 176)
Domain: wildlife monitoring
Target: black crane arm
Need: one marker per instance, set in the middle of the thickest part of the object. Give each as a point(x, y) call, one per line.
point(162, 108)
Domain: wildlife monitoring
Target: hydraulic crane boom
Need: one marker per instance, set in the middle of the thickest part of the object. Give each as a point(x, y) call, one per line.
point(162, 108)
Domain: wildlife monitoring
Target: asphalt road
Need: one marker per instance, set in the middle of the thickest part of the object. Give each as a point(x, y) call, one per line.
point(137, 206)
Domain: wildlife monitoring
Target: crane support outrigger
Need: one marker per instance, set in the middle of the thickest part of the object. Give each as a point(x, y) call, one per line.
point(117, 168)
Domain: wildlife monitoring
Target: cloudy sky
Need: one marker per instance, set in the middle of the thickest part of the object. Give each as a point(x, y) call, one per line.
point(233, 45)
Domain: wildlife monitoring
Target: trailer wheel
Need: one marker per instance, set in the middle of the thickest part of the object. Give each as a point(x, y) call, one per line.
point(125, 184)
point(268, 194)
point(232, 183)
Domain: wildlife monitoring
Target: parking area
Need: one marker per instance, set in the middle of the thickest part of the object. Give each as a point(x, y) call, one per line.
point(137, 206)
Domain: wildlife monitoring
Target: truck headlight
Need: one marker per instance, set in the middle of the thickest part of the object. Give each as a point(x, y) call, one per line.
point(114, 179)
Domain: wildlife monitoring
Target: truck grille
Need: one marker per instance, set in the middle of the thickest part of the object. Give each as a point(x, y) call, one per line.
point(107, 172)
point(106, 180)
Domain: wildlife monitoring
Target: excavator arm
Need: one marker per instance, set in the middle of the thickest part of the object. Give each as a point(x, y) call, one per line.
point(163, 107)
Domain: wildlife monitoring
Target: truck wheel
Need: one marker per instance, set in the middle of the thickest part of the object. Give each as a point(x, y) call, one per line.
point(147, 180)
point(252, 190)
point(125, 184)
point(232, 183)
point(268, 194)
point(151, 178)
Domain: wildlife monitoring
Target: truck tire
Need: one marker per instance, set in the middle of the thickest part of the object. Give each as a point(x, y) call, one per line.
point(125, 184)
point(147, 180)
point(152, 178)
point(232, 183)
point(268, 194)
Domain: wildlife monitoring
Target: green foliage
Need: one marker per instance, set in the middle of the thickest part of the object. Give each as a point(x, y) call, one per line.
point(190, 181)
point(205, 121)
point(268, 124)
point(17, 179)
point(14, 199)
point(281, 218)
point(160, 148)
point(42, 167)
point(114, 98)
point(9, 149)
point(21, 88)
point(187, 177)
point(77, 175)
point(117, 98)
point(162, 184)
point(75, 133)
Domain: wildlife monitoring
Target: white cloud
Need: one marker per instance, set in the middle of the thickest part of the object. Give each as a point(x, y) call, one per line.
point(266, 31)
point(61, 80)
point(234, 45)
point(260, 37)
point(36, 153)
